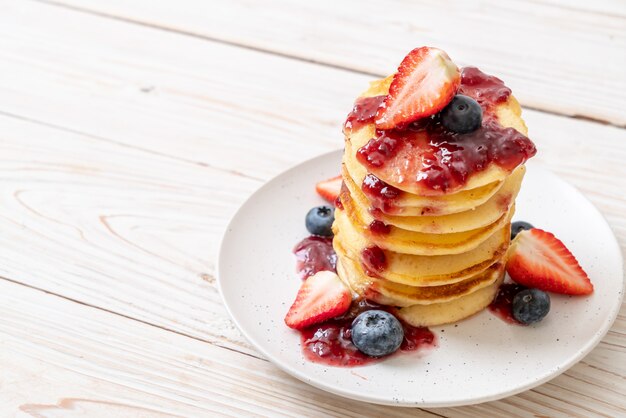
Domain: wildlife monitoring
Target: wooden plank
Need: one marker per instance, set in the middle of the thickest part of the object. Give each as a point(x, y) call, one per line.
point(170, 94)
point(564, 57)
point(614, 8)
point(155, 219)
point(185, 89)
point(128, 215)
point(152, 263)
point(63, 359)
point(60, 358)
point(118, 228)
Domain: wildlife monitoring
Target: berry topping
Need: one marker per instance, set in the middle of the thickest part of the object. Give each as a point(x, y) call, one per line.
point(363, 112)
point(379, 228)
point(373, 260)
point(315, 254)
point(502, 305)
point(530, 306)
point(519, 226)
point(426, 81)
point(538, 259)
point(377, 333)
point(321, 297)
point(382, 195)
point(484, 88)
point(329, 189)
point(462, 115)
point(319, 221)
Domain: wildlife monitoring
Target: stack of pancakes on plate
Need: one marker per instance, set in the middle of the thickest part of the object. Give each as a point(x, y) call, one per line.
point(437, 255)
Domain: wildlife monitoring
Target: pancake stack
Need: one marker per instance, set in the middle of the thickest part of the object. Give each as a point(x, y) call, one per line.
point(437, 255)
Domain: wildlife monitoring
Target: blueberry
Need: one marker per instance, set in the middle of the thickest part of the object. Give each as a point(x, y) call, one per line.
point(530, 305)
point(462, 115)
point(519, 226)
point(319, 220)
point(377, 333)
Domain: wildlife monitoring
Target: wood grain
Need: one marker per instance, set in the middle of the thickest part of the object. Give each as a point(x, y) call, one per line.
point(547, 51)
point(187, 98)
point(63, 359)
point(126, 149)
point(115, 227)
point(149, 193)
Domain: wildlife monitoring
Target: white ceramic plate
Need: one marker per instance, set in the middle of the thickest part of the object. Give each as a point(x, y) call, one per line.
point(482, 359)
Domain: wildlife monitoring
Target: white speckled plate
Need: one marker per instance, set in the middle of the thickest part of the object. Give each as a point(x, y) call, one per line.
point(479, 360)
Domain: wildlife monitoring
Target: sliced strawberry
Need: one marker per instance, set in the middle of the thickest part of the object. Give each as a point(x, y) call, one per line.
point(538, 259)
point(425, 83)
point(329, 189)
point(321, 297)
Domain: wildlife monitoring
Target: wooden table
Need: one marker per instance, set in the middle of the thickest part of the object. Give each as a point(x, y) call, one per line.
point(130, 131)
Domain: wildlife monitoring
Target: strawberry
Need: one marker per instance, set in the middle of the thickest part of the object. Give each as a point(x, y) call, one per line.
point(329, 189)
point(538, 259)
point(321, 297)
point(425, 83)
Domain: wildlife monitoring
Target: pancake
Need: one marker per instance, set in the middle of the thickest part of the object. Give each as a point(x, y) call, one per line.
point(403, 170)
point(416, 270)
point(401, 295)
point(416, 205)
point(417, 243)
point(482, 216)
point(424, 215)
point(453, 311)
point(403, 176)
point(389, 293)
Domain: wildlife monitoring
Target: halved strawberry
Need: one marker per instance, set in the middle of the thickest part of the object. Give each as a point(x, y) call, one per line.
point(329, 189)
point(538, 259)
point(425, 83)
point(321, 297)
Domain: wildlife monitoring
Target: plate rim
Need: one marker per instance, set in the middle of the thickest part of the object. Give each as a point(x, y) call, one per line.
point(339, 391)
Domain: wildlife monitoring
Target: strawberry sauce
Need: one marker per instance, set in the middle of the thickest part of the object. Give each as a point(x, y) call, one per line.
point(315, 254)
point(486, 89)
point(425, 153)
point(502, 305)
point(363, 112)
point(330, 343)
point(379, 228)
point(382, 195)
point(373, 260)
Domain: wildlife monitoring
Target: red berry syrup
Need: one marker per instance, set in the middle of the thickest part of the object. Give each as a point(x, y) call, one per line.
point(363, 112)
point(502, 305)
point(381, 195)
point(330, 343)
point(379, 228)
point(428, 154)
point(315, 254)
point(373, 260)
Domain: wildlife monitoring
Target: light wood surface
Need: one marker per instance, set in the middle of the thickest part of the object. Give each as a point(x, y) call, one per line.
point(558, 56)
point(130, 132)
